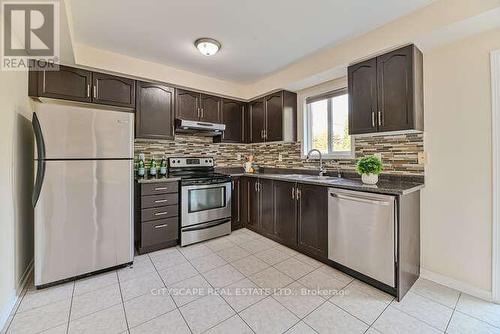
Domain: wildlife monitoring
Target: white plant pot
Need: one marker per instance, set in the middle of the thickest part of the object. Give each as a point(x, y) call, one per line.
point(369, 178)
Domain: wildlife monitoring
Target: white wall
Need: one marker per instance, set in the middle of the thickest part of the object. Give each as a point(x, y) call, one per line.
point(16, 179)
point(457, 199)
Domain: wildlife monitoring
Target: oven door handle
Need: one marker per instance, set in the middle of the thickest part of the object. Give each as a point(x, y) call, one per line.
point(204, 226)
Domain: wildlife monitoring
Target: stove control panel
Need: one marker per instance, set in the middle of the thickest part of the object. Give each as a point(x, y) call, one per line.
point(191, 162)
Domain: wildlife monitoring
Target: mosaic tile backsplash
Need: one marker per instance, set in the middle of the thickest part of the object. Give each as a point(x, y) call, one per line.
point(399, 152)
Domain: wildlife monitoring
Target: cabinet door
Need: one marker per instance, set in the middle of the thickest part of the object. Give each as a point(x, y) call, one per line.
point(274, 117)
point(313, 219)
point(395, 90)
point(187, 105)
point(210, 108)
point(232, 117)
point(113, 90)
point(154, 117)
point(362, 89)
point(266, 206)
point(257, 121)
point(285, 212)
point(236, 221)
point(253, 204)
point(68, 83)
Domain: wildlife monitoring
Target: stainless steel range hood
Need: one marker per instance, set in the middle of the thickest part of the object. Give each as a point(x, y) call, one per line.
point(201, 128)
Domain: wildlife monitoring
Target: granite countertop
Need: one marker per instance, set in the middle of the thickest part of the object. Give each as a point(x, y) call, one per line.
point(386, 185)
point(149, 179)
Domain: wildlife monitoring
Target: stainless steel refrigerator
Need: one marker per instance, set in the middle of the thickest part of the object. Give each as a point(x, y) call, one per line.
point(83, 193)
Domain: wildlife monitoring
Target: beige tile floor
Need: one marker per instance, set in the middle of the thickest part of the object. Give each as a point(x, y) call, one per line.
point(234, 285)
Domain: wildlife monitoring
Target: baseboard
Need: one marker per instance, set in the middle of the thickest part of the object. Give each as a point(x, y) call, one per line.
point(456, 284)
point(15, 297)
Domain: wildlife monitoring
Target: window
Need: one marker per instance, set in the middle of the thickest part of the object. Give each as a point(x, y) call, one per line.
point(326, 125)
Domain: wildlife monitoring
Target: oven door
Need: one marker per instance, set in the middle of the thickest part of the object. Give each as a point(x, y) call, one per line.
point(204, 203)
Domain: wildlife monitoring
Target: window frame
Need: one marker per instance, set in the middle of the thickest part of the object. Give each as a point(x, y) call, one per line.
point(308, 125)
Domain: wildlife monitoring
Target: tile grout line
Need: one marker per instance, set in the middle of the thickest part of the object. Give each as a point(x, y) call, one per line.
point(123, 302)
point(225, 301)
point(70, 308)
point(385, 309)
point(452, 313)
point(14, 311)
point(173, 300)
point(412, 316)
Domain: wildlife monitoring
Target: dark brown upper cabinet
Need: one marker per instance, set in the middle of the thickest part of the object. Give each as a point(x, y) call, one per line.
point(257, 121)
point(187, 105)
point(386, 92)
point(232, 117)
point(68, 84)
point(210, 108)
point(75, 84)
point(154, 117)
point(273, 118)
point(195, 106)
point(113, 90)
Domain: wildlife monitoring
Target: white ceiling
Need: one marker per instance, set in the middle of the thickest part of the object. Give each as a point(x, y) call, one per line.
point(258, 37)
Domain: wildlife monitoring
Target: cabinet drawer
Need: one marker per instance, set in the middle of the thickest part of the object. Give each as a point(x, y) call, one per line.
point(159, 231)
point(154, 201)
point(159, 188)
point(159, 213)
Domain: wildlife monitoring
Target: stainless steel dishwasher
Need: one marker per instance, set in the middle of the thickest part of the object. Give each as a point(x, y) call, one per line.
point(362, 232)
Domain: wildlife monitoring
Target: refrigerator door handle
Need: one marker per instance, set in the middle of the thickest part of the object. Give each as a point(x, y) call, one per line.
point(40, 148)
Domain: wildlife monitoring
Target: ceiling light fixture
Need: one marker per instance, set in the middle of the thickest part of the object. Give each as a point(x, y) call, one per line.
point(207, 46)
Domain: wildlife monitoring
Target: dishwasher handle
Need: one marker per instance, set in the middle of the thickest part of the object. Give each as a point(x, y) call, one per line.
point(359, 199)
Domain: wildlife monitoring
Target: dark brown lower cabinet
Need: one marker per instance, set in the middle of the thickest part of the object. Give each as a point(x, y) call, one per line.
point(313, 219)
point(253, 203)
point(266, 206)
point(285, 212)
point(156, 215)
point(236, 204)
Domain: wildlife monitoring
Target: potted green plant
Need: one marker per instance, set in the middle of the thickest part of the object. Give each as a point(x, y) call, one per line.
point(369, 168)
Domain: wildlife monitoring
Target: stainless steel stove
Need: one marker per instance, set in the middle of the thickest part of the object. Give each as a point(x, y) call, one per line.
point(205, 199)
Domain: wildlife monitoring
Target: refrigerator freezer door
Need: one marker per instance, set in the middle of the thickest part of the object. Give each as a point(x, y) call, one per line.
point(71, 132)
point(83, 218)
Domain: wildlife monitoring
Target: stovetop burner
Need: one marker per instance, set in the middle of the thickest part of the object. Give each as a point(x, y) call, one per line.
point(196, 171)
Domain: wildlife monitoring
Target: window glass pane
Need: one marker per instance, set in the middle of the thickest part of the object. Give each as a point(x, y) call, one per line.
point(341, 141)
point(319, 125)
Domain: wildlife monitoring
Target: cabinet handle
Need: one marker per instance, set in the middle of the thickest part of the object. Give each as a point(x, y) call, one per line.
point(198, 112)
point(161, 213)
point(297, 193)
point(262, 134)
point(161, 226)
point(265, 134)
point(373, 119)
point(379, 118)
point(293, 193)
point(161, 188)
point(255, 186)
point(201, 112)
point(88, 90)
point(95, 92)
point(161, 201)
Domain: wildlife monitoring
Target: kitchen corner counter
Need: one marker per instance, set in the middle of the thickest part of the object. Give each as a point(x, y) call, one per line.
point(384, 186)
point(156, 179)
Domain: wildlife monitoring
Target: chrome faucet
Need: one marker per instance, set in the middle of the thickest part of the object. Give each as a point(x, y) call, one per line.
point(322, 169)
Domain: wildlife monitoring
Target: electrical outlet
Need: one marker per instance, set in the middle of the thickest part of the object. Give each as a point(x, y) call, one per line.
point(280, 157)
point(422, 158)
point(238, 156)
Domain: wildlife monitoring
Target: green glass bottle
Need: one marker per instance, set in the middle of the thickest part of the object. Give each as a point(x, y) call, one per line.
point(141, 165)
point(163, 166)
point(152, 167)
